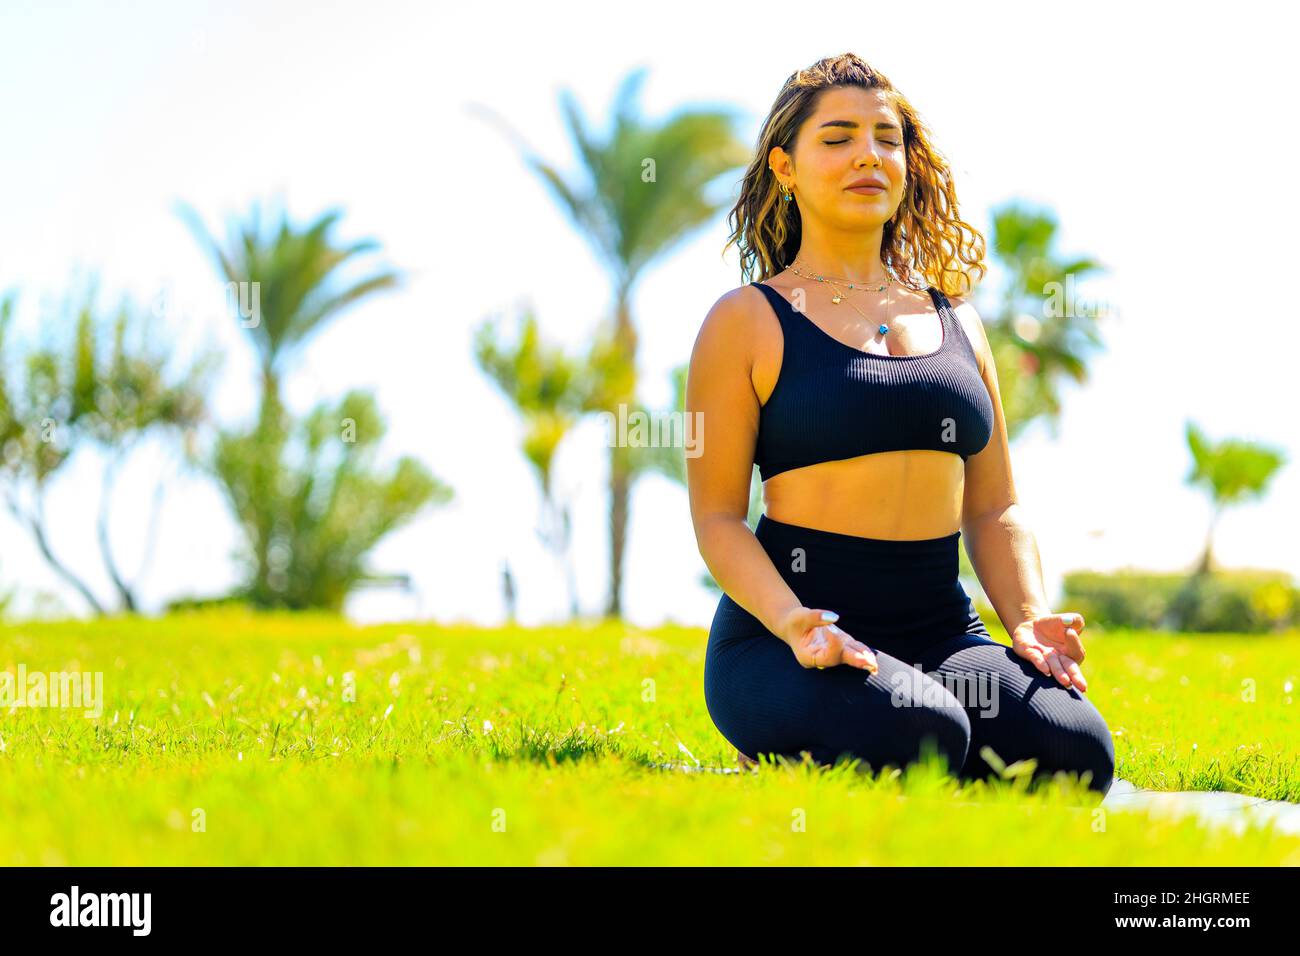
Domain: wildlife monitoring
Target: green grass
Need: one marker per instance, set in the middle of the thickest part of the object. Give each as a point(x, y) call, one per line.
point(474, 746)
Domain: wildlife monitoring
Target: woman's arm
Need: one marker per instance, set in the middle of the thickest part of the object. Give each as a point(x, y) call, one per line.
point(1001, 546)
point(719, 386)
point(1004, 553)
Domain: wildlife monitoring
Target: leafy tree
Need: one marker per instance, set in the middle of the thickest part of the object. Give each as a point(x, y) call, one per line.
point(313, 505)
point(94, 391)
point(1230, 471)
point(639, 193)
point(294, 278)
point(1037, 340)
point(549, 389)
point(306, 492)
point(1038, 332)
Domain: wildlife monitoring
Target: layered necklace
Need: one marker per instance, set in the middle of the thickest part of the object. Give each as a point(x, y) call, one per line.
point(839, 295)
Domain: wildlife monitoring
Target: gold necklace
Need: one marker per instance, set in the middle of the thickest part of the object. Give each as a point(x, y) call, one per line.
point(821, 278)
point(838, 297)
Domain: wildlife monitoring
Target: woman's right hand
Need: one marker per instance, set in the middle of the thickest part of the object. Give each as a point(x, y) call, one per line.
point(818, 642)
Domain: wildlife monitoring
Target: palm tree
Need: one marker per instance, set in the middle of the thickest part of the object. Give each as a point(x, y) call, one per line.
point(305, 491)
point(1230, 471)
point(546, 386)
point(111, 385)
point(638, 194)
point(313, 505)
point(296, 280)
point(1034, 347)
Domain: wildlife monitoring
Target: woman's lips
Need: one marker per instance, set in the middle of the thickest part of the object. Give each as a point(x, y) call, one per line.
point(867, 190)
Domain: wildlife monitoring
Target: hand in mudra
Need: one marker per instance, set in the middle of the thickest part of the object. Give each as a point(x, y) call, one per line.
point(817, 642)
point(1052, 644)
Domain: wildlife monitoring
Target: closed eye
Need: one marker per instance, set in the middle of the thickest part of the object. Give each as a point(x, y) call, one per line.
point(836, 142)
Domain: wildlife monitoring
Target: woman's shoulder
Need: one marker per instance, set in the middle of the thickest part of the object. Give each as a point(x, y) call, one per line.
point(740, 310)
point(732, 318)
point(743, 325)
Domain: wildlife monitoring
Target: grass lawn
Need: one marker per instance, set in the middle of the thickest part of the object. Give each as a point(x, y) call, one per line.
point(230, 738)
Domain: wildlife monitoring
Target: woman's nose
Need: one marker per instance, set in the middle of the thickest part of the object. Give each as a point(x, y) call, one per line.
point(870, 159)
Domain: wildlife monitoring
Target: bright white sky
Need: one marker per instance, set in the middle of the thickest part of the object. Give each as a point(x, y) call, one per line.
point(1151, 132)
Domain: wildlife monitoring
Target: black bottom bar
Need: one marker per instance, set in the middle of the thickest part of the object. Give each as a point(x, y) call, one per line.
point(333, 906)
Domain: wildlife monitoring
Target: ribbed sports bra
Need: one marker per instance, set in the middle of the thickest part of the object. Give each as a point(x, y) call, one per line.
point(833, 401)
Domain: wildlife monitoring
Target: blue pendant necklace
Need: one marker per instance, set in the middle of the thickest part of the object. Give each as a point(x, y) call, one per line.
point(839, 297)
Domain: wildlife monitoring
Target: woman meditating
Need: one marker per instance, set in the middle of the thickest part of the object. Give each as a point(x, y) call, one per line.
point(861, 383)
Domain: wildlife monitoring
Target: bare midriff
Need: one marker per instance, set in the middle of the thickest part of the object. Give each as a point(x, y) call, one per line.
point(893, 495)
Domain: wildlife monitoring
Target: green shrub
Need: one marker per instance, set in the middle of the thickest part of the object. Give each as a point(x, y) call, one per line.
point(206, 603)
point(1239, 601)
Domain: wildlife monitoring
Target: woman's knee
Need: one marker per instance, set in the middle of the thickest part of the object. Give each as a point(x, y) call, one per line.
point(928, 733)
point(946, 729)
point(1067, 733)
point(1035, 718)
point(897, 717)
point(1088, 747)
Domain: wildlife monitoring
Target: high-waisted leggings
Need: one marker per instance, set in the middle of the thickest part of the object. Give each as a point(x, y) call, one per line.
point(944, 684)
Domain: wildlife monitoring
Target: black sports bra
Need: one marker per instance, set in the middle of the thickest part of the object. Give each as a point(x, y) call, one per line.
point(833, 401)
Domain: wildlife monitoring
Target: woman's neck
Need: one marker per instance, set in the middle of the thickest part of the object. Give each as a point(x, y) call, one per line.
point(853, 260)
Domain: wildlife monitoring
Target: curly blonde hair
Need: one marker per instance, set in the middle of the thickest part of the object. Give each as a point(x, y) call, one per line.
point(925, 243)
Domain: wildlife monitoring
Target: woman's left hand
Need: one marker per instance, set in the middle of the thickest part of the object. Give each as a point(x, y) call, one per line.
point(1051, 643)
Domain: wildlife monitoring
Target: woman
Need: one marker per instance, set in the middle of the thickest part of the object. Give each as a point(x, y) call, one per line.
point(862, 384)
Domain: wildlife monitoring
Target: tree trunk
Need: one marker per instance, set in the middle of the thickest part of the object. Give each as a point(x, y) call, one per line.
point(575, 609)
point(1206, 563)
point(270, 419)
point(621, 471)
point(105, 548)
point(618, 500)
point(566, 562)
point(36, 524)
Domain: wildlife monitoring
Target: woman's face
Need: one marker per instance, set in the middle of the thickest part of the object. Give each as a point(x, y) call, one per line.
point(853, 134)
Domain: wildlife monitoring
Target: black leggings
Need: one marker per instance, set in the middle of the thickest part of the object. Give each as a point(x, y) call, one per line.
point(943, 684)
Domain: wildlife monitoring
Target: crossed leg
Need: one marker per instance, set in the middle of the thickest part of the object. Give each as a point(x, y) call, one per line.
point(764, 701)
point(1019, 712)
